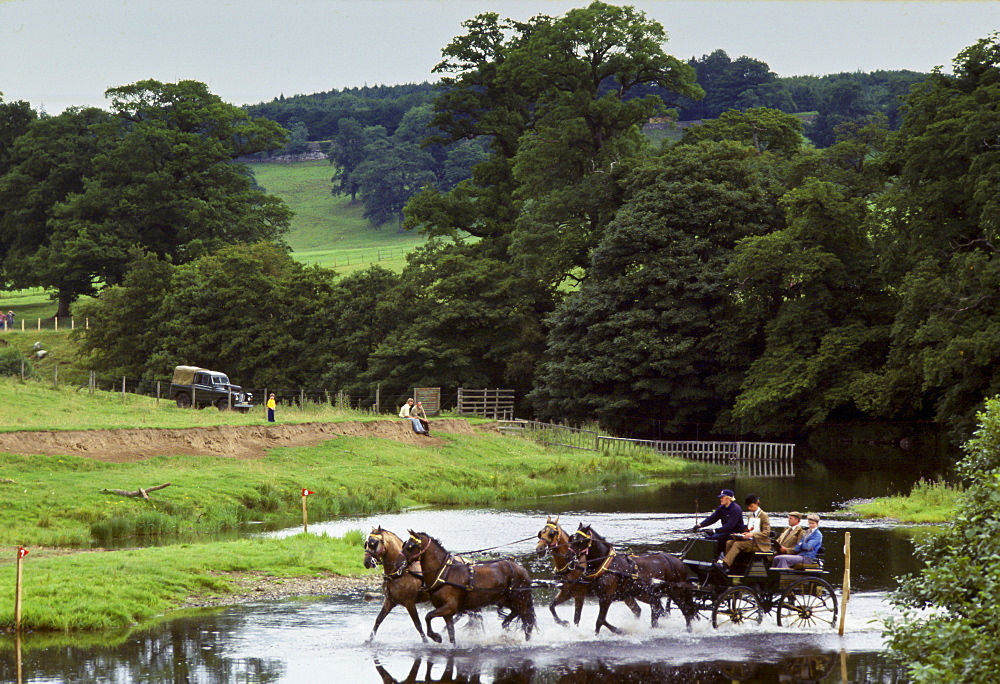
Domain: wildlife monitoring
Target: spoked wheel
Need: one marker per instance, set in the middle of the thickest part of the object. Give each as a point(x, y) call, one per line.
point(810, 602)
point(737, 606)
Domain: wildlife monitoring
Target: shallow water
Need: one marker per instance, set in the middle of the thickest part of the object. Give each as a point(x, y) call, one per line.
point(318, 640)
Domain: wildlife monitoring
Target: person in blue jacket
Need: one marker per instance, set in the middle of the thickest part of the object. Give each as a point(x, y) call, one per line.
point(729, 514)
point(807, 548)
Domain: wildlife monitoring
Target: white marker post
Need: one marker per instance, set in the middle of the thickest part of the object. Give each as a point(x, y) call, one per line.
point(305, 510)
point(21, 553)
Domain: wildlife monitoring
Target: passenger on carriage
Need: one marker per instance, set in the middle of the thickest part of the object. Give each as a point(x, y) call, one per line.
point(806, 550)
point(790, 536)
point(731, 516)
point(757, 536)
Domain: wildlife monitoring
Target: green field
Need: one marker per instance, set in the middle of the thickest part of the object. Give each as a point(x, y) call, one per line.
point(329, 230)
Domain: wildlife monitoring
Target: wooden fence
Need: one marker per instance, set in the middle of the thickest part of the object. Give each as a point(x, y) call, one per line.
point(491, 403)
point(752, 459)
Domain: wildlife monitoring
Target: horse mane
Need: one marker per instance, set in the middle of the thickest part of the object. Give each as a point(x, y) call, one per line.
point(429, 538)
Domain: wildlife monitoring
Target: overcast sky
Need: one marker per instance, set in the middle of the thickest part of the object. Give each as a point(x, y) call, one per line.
point(58, 53)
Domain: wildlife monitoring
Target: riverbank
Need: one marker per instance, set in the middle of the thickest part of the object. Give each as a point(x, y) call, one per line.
point(58, 500)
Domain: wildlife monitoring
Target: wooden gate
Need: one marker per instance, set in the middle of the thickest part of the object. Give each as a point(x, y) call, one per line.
point(431, 399)
point(491, 403)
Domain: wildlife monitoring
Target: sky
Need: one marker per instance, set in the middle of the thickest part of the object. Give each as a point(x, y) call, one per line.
point(60, 53)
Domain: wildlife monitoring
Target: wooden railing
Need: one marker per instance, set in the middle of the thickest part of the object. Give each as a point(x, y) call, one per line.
point(752, 459)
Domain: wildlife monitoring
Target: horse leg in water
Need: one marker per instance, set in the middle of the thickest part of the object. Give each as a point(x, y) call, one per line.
point(441, 613)
point(634, 607)
point(411, 608)
point(387, 606)
point(602, 614)
point(564, 595)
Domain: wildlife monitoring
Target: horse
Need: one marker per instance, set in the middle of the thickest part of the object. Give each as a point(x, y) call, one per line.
point(552, 539)
point(401, 582)
point(456, 586)
point(646, 578)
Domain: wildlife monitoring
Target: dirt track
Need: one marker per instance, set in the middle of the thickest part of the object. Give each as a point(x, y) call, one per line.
point(232, 441)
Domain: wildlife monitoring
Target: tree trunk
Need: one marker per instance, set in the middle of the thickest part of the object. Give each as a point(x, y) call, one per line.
point(65, 302)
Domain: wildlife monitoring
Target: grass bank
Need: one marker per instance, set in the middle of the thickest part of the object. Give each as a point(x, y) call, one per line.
point(109, 590)
point(53, 502)
point(928, 502)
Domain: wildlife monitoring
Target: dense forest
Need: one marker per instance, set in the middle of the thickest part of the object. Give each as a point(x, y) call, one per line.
point(735, 281)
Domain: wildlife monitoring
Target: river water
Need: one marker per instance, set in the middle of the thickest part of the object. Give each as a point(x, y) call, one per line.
point(323, 639)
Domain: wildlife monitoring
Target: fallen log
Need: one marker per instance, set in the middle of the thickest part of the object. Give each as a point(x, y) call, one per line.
point(144, 493)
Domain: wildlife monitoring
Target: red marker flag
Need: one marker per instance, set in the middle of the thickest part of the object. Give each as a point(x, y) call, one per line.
point(306, 492)
point(22, 552)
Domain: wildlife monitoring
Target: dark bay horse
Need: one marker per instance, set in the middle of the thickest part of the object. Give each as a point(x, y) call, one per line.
point(569, 570)
point(617, 576)
point(402, 583)
point(456, 586)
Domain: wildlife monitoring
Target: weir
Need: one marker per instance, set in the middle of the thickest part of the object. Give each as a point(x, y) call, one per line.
point(750, 459)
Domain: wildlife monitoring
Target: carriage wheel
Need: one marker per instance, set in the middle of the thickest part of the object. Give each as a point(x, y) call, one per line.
point(809, 602)
point(738, 605)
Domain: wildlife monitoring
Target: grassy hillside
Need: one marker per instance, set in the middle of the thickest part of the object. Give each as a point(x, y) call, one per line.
point(329, 230)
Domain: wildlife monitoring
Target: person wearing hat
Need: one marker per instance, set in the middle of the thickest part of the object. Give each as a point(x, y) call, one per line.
point(806, 550)
point(729, 514)
point(790, 536)
point(757, 536)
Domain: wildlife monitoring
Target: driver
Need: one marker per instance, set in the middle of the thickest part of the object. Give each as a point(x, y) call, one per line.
point(730, 515)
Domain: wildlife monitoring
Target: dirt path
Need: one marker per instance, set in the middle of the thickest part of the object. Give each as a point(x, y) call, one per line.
point(232, 441)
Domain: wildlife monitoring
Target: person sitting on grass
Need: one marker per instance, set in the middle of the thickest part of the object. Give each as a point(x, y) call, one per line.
point(408, 411)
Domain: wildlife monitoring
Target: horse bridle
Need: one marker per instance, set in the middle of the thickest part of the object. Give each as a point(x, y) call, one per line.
point(554, 543)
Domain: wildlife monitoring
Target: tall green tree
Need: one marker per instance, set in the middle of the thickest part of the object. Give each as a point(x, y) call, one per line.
point(48, 164)
point(767, 130)
point(653, 341)
point(164, 182)
point(937, 231)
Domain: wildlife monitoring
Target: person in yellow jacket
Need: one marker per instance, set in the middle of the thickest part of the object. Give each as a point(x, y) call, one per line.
point(271, 405)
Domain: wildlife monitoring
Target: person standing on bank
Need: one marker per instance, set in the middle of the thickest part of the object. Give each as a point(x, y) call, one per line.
point(757, 536)
point(729, 514)
point(271, 405)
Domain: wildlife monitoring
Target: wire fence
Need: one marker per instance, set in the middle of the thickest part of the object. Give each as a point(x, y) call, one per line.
point(39, 324)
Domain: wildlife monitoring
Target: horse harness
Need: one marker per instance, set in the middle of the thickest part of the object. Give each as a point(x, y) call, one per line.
point(571, 564)
point(386, 575)
point(441, 581)
point(633, 572)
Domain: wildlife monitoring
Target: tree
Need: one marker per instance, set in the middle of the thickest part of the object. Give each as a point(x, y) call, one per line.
point(960, 577)
point(164, 182)
point(825, 314)
point(248, 309)
point(347, 152)
point(767, 130)
point(936, 232)
point(48, 164)
point(653, 340)
point(15, 118)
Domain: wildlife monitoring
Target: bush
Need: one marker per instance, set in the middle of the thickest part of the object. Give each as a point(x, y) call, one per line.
point(960, 580)
point(11, 360)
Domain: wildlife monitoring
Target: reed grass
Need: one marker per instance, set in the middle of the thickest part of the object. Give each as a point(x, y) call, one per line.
point(927, 502)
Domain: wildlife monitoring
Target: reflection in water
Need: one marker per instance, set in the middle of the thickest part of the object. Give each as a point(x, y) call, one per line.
point(803, 668)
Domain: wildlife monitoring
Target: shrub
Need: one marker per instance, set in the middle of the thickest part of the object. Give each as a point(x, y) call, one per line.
point(11, 360)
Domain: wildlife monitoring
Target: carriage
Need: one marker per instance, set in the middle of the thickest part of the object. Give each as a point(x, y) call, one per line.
point(800, 596)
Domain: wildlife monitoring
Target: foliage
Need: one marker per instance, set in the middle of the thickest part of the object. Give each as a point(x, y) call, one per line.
point(12, 362)
point(767, 130)
point(936, 233)
point(160, 177)
point(960, 579)
point(653, 337)
point(735, 84)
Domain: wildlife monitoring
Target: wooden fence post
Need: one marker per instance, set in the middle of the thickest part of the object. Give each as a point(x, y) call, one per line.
point(845, 593)
point(21, 553)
